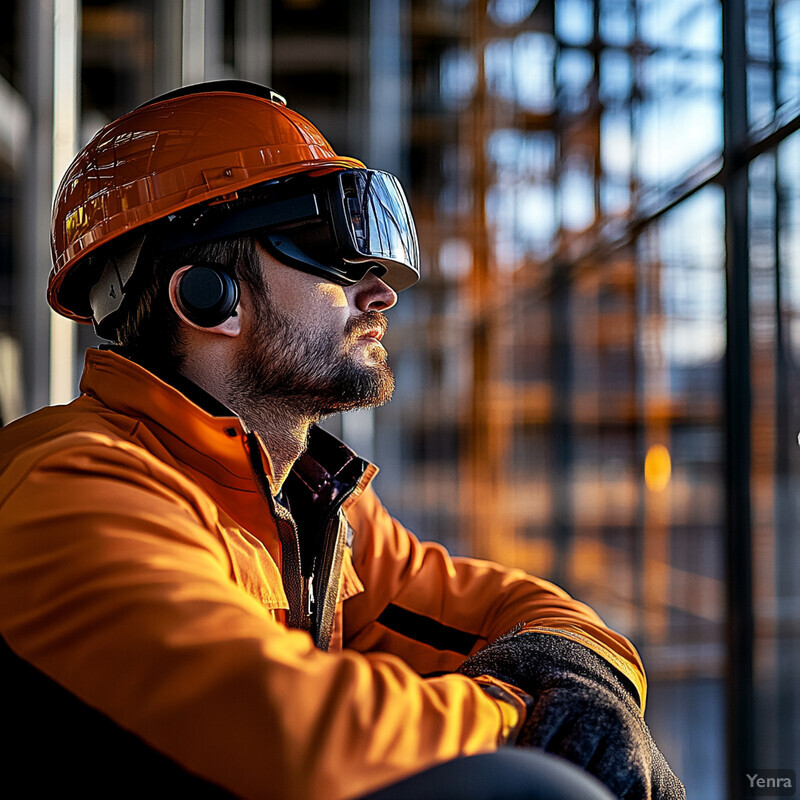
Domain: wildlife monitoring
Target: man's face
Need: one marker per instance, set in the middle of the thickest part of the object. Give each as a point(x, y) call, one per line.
point(313, 342)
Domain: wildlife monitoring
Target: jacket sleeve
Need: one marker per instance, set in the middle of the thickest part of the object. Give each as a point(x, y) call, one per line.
point(114, 583)
point(433, 610)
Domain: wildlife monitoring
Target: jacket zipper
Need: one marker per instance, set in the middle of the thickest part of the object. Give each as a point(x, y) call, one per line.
point(293, 583)
point(326, 575)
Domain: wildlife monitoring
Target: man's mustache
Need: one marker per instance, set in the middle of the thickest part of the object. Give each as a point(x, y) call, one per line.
point(367, 322)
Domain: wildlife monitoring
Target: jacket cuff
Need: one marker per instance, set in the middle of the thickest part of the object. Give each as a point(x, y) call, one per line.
point(634, 679)
point(514, 705)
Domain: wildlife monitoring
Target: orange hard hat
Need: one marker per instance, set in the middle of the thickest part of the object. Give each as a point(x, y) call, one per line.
point(196, 144)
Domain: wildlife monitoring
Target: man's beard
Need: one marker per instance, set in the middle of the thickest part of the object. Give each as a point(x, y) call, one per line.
point(313, 374)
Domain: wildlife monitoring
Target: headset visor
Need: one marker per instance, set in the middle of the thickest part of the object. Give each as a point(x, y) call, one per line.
point(340, 225)
point(379, 219)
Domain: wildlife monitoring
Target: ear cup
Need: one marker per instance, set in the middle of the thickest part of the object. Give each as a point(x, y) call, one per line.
point(207, 294)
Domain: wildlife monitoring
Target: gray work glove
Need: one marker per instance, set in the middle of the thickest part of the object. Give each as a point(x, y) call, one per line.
point(582, 710)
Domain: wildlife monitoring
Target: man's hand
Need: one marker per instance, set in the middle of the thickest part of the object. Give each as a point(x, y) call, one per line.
point(582, 710)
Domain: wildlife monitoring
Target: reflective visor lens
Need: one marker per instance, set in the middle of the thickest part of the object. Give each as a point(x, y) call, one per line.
point(378, 218)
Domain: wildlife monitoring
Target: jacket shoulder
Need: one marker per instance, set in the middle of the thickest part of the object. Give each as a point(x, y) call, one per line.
point(63, 463)
point(79, 419)
point(83, 436)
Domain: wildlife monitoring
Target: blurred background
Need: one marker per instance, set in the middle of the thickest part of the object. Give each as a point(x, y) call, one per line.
point(597, 377)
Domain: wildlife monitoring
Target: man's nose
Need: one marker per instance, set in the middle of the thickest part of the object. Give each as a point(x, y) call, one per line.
point(372, 294)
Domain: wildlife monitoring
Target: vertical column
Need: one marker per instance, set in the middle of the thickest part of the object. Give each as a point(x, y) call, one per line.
point(49, 85)
point(35, 192)
point(168, 46)
point(388, 125)
point(561, 421)
point(483, 480)
point(787, 552)
point(253, 41)
point(739, 587)
point(193, 41)
point(65, 143)
point(214, 66)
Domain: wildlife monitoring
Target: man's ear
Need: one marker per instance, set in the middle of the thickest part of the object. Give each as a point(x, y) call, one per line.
point(184, 299)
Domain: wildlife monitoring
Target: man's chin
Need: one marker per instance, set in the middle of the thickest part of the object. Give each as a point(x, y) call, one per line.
point(370, 388)
point(373, 353)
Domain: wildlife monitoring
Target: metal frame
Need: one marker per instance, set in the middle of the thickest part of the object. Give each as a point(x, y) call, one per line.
point(739, 556)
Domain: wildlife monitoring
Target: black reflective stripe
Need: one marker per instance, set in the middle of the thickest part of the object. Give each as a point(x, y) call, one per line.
point(426, 630)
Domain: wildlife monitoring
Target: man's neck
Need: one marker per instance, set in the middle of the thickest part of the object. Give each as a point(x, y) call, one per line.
point(284, 434)
point(282, 425)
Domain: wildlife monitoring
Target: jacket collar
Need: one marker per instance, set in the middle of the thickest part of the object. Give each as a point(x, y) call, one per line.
point(328, 473)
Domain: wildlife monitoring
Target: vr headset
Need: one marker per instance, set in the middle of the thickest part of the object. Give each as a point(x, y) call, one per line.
point(338, 225)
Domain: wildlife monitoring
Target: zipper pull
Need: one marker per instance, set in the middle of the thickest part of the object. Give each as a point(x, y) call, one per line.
point(311, 599)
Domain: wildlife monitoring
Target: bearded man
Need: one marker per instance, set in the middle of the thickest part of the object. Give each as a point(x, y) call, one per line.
point(201, 595)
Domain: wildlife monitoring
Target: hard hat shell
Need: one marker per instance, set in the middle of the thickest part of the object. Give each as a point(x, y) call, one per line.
point(165, 156)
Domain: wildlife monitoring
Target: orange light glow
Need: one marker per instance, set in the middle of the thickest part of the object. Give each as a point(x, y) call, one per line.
point(657, 468)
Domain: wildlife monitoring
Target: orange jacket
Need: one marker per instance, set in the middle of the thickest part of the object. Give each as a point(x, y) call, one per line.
point(143, 569)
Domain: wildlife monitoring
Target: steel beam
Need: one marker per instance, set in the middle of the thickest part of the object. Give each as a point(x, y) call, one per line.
point(34, 207)
point(739, 556)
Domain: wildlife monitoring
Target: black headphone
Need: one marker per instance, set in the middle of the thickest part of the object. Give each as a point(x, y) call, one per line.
point(208, 294)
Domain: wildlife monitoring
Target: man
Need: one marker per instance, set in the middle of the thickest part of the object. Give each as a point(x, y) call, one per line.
point(200, 593)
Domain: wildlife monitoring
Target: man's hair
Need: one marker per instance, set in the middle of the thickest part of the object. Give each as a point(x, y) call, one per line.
point(146, 325)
